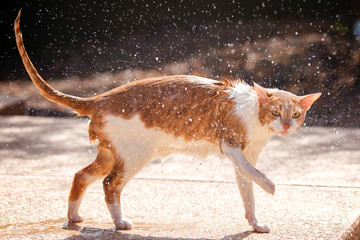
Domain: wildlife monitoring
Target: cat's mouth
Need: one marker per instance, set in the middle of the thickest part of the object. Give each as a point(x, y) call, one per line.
point(284, 133)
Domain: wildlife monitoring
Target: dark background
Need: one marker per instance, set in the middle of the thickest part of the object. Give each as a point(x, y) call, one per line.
point(82, 37)
point(312, 46)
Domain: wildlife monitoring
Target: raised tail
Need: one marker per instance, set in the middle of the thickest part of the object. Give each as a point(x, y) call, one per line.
point(83, 106)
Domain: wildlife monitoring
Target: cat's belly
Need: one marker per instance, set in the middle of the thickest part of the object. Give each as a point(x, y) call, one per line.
point(137, 145)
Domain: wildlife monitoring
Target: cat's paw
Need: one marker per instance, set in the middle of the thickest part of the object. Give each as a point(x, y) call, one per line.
point(269, 186)
point(261, 228)
point(123, 224)
point(75, 218)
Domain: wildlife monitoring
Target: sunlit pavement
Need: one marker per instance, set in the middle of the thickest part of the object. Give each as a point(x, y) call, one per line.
point(316, 171)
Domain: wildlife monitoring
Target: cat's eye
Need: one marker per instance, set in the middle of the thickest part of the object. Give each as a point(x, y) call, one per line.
point(296, 115)
point(275, 113)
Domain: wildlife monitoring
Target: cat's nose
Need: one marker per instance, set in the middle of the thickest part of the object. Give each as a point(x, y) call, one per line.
point(286, 126)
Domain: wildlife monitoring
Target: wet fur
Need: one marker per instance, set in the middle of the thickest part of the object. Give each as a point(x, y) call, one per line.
point(155, 117)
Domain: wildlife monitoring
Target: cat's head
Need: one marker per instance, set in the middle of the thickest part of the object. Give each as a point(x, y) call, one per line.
point(282, 111)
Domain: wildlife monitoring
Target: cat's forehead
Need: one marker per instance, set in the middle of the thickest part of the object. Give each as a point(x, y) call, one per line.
point(284, 100)
point(285, 95)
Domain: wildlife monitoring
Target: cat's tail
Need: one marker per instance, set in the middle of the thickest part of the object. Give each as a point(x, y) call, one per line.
point(83, 106)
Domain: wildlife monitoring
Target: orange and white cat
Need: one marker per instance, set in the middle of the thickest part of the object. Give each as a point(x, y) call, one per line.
point(156, 117)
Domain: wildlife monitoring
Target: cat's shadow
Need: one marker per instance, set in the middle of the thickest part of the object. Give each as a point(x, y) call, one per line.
point(98, 233)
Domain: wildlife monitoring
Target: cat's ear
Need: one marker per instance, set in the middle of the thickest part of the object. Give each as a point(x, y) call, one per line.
point(308, 100)
point(261, 94)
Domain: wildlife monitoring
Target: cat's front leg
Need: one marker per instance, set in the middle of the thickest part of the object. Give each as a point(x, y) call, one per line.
point(246, 169)
point(247, 195)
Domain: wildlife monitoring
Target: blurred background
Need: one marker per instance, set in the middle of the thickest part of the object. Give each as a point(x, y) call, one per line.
point(88, 47)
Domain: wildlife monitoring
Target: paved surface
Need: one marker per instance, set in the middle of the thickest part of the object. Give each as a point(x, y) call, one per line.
point(11, 105)
point(316, 171)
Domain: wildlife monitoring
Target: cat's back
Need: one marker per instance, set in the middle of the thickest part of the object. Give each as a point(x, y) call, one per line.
point(156, 95)
point(164, 86)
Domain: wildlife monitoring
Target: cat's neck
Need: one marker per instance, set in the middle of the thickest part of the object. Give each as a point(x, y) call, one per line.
point(247, 109)
point(258, 136)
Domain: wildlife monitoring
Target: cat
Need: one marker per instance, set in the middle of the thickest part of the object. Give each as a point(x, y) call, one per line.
point(156, 117)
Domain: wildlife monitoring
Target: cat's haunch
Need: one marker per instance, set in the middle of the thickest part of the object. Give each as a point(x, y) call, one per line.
point(153, 118)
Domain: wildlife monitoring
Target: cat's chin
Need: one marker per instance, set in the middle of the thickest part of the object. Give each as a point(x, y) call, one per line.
point(284, 133)
point(287, 133)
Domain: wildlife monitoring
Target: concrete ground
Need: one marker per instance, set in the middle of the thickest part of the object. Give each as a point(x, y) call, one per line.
point(316, 171)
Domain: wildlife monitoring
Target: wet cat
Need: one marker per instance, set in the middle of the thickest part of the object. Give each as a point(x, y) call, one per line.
point(155, 117)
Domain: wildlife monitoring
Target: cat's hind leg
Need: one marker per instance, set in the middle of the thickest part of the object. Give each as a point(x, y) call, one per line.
point(113, 185)
point(96, 171)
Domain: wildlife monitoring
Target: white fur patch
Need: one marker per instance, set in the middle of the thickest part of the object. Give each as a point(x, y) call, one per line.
point(73, 210)
point(247, 106)
point(247, 170)
point(137, 145)
point(279, 128)
point(259, 137)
